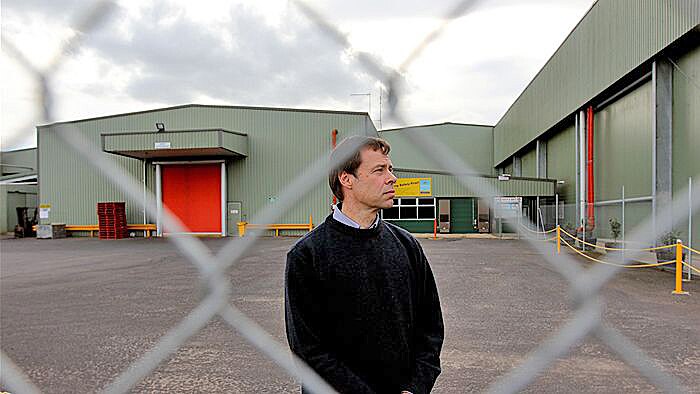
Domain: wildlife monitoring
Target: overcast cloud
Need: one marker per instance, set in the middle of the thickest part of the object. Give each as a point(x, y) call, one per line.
point(148, 55)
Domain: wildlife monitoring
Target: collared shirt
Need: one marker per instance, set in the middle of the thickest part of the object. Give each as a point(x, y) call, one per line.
point(343, 218)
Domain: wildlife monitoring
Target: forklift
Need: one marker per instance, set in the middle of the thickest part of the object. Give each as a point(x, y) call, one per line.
point(25, 222)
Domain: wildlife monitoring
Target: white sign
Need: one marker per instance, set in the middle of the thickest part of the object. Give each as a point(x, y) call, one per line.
point(162, 145)
point(507, 207)
point(44, 213)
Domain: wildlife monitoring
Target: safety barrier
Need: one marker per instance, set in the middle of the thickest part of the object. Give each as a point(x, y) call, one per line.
point(242, 226)
point(678, 253)
point(92, 228)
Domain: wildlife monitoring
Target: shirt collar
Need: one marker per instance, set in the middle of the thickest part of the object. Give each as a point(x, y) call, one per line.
point(342, 218)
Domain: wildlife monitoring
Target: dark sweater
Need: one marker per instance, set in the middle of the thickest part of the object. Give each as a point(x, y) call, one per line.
point(362, 309)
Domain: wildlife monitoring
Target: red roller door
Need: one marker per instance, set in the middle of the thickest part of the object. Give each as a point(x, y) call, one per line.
point(193, 193)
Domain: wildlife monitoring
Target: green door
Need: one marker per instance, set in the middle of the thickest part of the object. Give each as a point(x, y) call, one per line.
point(462, 215)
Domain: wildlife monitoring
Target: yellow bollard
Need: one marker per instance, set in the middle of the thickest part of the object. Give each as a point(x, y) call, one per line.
point(558, 239)
point(679, 269)
point(241, 228)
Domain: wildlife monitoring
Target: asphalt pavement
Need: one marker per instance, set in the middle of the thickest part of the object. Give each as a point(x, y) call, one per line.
point(76, 312)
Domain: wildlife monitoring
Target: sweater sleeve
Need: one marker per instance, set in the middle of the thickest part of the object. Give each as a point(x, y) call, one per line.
point(430, 332)
point(303, 317)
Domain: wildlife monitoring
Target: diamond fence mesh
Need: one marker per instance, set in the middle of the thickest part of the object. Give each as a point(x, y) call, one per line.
point(584, 284)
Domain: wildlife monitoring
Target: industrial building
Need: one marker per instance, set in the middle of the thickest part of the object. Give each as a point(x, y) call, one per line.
point(608, 128)
point(216, 166)
point(613, 115)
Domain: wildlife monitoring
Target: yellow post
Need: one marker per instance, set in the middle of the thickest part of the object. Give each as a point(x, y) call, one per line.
point(679, 269)
point(558, 239)
point(241, 228)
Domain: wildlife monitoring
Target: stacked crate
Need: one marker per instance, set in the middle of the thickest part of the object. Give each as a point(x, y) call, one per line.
point(112, 220)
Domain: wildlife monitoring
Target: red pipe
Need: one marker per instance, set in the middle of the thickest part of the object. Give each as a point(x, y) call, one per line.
point(589, 170)
point(334, 137)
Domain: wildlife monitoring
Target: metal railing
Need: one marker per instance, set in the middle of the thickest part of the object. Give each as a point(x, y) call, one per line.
point(585, 285)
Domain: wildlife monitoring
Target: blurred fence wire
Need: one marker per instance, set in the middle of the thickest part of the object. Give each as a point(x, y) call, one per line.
point(584, 284)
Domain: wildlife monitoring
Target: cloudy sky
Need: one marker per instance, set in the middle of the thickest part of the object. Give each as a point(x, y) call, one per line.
point(146, 55)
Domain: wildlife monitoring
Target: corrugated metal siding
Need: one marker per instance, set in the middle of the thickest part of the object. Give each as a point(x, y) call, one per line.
point(561, 162)
point(179, 140)
point(686, 133)
point(72, 185)
point(472, 143)
point(22, 157)
point(235, 142)
point(448, 186)
point(529, 163)
point(615, 37)
point(282, 144)
point(623, 146)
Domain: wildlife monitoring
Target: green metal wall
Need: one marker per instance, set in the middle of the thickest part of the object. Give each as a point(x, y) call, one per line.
point(686, 133)
point(472, 143)
point(282, 144)
point(414, 226)
point(25, 159)
point(614, 37)
point(528, 161)
point(178, 140)
point(623, 146)
point(561, 163)
point(445, 185)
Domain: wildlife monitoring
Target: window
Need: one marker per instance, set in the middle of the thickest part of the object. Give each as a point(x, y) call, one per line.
point(411, 209)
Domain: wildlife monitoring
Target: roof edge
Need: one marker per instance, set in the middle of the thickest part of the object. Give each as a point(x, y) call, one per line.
point(192, 105)
point(435, 124)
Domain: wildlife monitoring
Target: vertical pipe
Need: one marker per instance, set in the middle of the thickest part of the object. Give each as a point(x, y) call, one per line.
point(589, 170)
point(577, 186)
point(556, 209)
point(159, 203)
point(144, 193)
point(582, 166)
point(539, 214)
point(653, 152)
point(223, 199)
point(623, 223)
point(690, 226)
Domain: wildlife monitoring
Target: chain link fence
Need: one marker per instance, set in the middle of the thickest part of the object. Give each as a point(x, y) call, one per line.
point(584, 284)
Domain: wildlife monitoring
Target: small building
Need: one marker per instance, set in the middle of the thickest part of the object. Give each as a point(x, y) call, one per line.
point(438, 199)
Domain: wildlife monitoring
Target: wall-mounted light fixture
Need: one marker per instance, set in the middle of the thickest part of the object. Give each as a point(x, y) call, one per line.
point(160, 127)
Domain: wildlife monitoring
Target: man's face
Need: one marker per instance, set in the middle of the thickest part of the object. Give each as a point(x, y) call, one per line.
point(373, 182)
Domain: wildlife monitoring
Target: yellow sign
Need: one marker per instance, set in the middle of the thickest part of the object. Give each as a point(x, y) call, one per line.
point(413, 187)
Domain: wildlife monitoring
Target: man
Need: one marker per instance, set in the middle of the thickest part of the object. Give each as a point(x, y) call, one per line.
point(361, 304)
